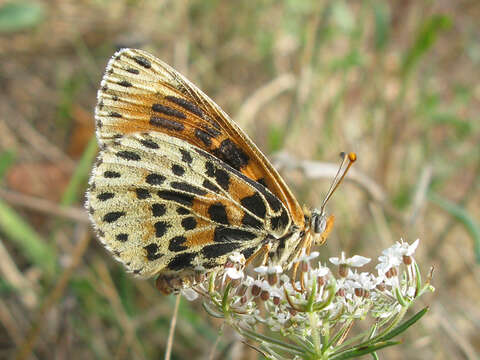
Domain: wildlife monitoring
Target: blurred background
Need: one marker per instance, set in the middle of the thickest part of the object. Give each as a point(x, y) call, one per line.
point(397, 82)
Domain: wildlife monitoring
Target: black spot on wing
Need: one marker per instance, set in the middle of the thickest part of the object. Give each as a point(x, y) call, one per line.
point(161, 228)
point(149, 144)
point(181, 261)
point(262, 182)
point(250, 221)
point(280, 221)
point(125, 83)
point(133, 71)
point(166, 110)
point(111, 174)
point(113, 216)
point(186, 157)
point(189, 223)
point(226, 234)
point(142, 194)
point(122, 237)
point(221, 176)
point(178, 197)
point(182, 211)
point(218, 213)
point(128, 155)
point(166, 123)
point(155, 179)
point(176, 244)
point(204, 137)
point(179, 185)
point(152, 252)
point(187, 105)
point(105, 196)
point(232, 154)
point(115, 114)
point(158, 210)
point(210, 186)
point(178, 170)
point(255, 204)
point(140, 60)
point(216, 250)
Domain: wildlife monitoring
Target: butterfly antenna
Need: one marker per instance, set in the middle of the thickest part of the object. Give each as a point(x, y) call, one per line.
point(347, 162)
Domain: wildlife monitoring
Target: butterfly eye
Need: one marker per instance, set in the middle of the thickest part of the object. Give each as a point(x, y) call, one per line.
point(319, 223)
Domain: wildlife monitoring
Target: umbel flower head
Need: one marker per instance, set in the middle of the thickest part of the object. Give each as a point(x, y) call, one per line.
point(310, 313)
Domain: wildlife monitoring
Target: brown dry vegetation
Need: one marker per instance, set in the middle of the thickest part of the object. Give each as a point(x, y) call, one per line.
point(396, 82)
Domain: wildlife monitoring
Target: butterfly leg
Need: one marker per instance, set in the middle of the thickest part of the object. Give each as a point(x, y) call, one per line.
point(265, 249)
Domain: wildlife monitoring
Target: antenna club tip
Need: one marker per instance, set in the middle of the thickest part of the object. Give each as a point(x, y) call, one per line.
point(352, 156)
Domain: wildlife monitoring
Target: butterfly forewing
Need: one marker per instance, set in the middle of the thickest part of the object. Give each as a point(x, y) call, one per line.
point(140, 93)
point(161, 204)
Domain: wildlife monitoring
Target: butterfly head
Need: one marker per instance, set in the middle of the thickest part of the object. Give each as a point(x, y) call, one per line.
point(320, 225)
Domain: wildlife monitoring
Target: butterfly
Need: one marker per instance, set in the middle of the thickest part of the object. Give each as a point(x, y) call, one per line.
point(178, 187)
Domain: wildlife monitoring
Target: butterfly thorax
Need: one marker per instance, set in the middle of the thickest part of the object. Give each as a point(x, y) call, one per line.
point(315, 230)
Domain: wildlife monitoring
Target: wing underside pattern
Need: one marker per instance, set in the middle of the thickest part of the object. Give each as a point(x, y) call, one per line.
point(160, 204)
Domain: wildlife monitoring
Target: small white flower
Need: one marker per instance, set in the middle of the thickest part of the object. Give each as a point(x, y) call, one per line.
point(189, 294)
point(392, 257)
point(237, 258)
point(233, 273)
point(320, 271)
point(272, 269)
point(354, 261)
point(307, 257)
point(407, 249)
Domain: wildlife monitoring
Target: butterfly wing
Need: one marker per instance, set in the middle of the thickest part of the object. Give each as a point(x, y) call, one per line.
point(140, 93)
point(161, 205)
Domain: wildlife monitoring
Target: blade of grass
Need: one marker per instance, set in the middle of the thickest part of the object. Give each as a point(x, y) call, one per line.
point(461, 215)
point(32, 245)
point(80, 175)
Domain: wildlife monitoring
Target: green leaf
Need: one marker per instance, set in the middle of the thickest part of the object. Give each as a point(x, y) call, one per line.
point(7, 158)
point(32, 246)
point(77, 183)
point(427, 35)
point(20, 15)
point(404, 326)
point(360, 351)
point(461, 215)
point(381, 13)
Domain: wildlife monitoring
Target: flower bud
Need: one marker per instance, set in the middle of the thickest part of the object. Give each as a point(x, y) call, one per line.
point(359, 292)
point(407, 260)
point(381, 286)
point(343, 270)
point(264, 295)
point(276, 300)
point(241, 290)
point(304, 266)
point(341, 292)
point(391, 272)
point(256, 290)
point(272, 279)
point(321, 280)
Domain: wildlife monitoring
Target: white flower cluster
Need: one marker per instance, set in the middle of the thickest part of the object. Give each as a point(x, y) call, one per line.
point(310, 302)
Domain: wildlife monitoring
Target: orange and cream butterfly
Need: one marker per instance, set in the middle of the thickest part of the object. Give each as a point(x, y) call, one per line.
point(178, 186)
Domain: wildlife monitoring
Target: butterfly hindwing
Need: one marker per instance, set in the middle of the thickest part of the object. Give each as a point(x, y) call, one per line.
point(140, 93)
point(161, 204)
